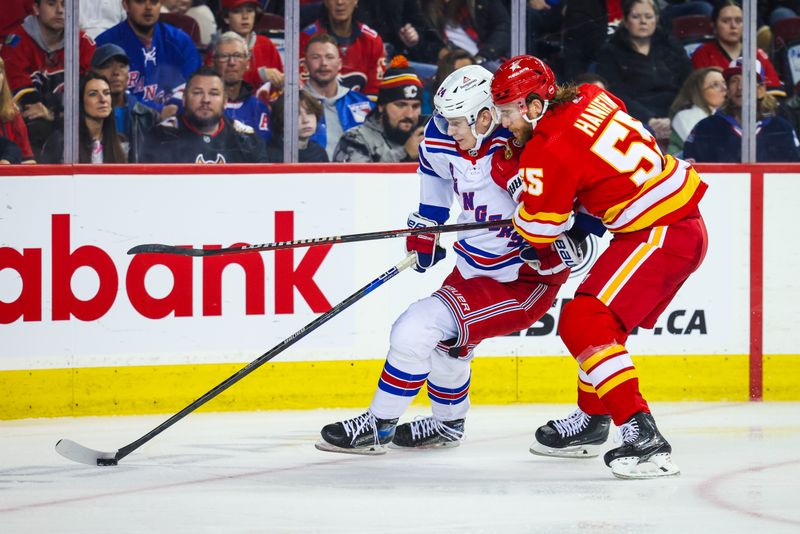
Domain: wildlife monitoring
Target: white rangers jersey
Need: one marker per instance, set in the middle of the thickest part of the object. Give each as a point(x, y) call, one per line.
point(446, 172)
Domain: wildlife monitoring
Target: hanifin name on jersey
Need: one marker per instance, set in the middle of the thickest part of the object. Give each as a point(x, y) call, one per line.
point(595, 113)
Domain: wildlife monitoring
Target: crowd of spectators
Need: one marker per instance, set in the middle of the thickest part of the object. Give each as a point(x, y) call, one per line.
point(202, 81)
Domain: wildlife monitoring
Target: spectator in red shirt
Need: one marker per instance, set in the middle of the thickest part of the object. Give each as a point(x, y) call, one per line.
point(360, 47)
point(34, 56)
point(728, 26)
point(12, 126)
point(266, 65)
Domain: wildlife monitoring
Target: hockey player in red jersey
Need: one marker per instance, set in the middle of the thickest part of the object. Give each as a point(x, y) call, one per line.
point(491, 292)
point(580, 144)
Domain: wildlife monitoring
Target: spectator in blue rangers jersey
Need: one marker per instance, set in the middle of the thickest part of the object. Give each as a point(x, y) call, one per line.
point(492, 291)
point(392, 131)
point(201, 133)
point(231, 60)
point(161, 56)
point(718, 138)
point(344, 108)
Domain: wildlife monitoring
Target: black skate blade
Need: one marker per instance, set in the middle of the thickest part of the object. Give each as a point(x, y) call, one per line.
point(578, 451)
point(372, 450)
point(84, 455)
point(439, 445)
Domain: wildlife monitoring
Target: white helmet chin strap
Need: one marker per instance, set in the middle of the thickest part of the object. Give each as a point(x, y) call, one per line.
point(533, 122)
point(480, 137)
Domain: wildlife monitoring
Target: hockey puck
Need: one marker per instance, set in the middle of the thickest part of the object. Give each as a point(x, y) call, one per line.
point(106, 461)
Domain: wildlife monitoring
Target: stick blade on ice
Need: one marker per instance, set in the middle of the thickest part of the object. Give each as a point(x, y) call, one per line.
point(84, 455)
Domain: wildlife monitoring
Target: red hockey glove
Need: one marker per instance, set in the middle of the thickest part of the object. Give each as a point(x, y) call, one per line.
point(426, 246)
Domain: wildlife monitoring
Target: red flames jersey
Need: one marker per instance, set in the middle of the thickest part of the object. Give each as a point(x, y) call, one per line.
point(363, 59)
point(29, 69)
point(592, 151)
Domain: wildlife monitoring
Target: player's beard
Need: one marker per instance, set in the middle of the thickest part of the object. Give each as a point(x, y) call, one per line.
point(394, 133)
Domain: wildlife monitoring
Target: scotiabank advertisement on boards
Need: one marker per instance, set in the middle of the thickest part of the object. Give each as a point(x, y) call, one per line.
point(71, 296)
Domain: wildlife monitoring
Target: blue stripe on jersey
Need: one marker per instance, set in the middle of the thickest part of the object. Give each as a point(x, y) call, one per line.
point(478, 252)
point(512, 261)
point(437, 213)
point(428, 172)
point(437, 150)
point(423, 162)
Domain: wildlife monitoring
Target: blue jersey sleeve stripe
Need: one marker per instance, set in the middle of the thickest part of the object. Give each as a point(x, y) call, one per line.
point(437, 213)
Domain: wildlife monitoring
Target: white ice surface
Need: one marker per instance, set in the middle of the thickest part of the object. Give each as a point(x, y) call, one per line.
point(259, 472)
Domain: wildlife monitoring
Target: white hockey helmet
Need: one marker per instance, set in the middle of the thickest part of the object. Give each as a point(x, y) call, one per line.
point(465, 93)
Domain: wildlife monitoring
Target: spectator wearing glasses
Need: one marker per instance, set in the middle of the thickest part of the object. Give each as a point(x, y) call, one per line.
point(230, 60)
point(265, 65)
point(161, 56)
point(702, 94)
point(34, 60)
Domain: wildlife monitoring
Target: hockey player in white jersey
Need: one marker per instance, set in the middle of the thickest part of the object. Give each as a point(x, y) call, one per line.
point(491, 292)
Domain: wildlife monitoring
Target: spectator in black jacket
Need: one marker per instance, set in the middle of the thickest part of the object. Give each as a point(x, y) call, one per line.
point(201, 133)
point(481, 27)
point(402, 27)
point(9, 152)
point(644, 65)
point(309, 114)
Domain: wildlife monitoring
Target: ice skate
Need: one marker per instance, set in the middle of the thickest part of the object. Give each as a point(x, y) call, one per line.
point(428, 433)
point(644, 452)
point(579, 435)
point(365, 434)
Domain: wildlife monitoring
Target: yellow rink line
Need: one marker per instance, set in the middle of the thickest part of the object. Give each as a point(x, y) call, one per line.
point(328, 384)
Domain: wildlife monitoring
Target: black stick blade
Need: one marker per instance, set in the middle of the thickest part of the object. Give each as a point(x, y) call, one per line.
point(155, 248)
point(84, 455)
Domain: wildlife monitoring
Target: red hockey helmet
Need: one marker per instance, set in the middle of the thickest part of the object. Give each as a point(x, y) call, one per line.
point(519, 77)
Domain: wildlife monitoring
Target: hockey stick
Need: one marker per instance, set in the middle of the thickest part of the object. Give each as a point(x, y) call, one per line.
point(84, 455)
point(156, 248)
